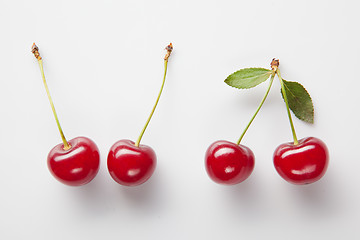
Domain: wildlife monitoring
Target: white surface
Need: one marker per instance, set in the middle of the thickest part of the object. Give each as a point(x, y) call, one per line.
point(103, 62)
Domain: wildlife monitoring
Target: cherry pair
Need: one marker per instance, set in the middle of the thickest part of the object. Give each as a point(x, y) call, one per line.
point(76, 162)
point(228, 163)
point(298, 162)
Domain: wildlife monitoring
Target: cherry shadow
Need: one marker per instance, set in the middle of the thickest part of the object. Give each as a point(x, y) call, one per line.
point(103, 196)
point(147, 197)
point(92, 197)
point(321, 199)
point(244, 198)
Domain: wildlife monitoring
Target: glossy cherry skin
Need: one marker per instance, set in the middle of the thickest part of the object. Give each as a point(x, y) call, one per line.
point(303, 163)
point(130, 165)
point(228, 163)
point(76, 166)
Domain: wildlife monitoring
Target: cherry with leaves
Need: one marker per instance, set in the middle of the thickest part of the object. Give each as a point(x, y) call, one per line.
point(75, 162)
point(132, 164)
point(299, 162)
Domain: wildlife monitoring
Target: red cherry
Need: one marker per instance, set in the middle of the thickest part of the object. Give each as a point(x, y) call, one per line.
point(303, 163)
point(228, 163)
point(75, 162)
point(77, 165)
point(130, 165)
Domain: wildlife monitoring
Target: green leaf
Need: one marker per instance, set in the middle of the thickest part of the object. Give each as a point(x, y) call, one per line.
point(299, 100)
point(248, 77)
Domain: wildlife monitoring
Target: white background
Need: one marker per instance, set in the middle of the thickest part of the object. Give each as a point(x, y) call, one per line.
point(104, 63)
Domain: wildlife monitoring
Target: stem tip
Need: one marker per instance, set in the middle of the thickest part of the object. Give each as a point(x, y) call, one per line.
point(274, 64)
point(169, 49)
point(35, 51)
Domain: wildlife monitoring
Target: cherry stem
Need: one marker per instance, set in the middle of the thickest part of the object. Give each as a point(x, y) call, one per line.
point(35, 50)
point(258, 109)
point(169, 49)
point(287, 107)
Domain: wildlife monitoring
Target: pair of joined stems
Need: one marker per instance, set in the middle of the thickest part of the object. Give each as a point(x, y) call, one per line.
point(275, 71)
point(67, 146)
